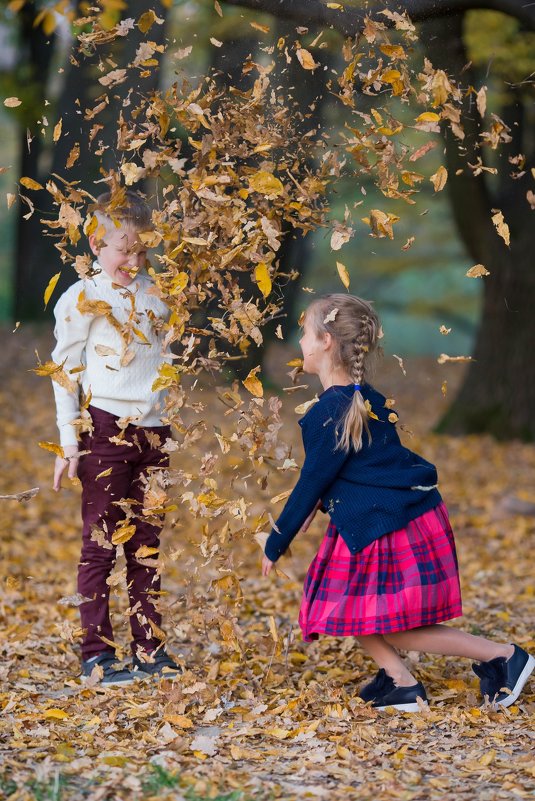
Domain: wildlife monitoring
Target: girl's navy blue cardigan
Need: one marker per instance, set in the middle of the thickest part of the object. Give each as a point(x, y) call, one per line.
point(367, 494)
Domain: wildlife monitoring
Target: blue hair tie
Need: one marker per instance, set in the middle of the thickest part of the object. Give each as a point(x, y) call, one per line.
point(357, 387)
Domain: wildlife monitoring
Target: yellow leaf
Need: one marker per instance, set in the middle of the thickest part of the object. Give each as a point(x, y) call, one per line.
point(338, 6)
point(179, 720)
point(262, 278)
point(295, 363)
point(104, 473)
point(57, 130)
point(53, 448)
point(258, 27)
point(487, 758)
point(390, 76)
point(439, 178)
point(96, 307)
point(146, 21)
point(56, 714)
point(371, 413)
point(266, 183)
point(252, 384)
point(477, 271)
point(393, 51)
point(115, 761)
point(428, 116)
point(501, 226)
point(306, 59)
point(144, 551)
point(29, 183)
point(304, 407)
point(280, 497)
point(343, 273)
point(123, 534)
point(50, 287)
point(280, 734)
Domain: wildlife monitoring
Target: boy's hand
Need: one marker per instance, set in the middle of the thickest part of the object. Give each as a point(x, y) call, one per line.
point(267, 564)
point(311, 517)
point(70, 461)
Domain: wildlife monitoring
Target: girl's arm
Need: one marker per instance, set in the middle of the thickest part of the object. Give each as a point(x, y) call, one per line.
point(323, 462)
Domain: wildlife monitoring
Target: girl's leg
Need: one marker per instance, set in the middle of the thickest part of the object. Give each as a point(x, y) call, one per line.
point(445, 640)
point(386, 656)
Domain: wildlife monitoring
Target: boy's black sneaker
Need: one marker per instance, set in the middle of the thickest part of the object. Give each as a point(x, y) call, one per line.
point(376, 686)
point(109, 675)
point(501, 680)
point(159, 665)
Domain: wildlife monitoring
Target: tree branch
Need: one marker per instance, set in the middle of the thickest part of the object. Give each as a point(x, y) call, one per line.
point(350, 20)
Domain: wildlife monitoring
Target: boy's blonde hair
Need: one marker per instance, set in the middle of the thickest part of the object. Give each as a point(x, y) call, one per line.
point(122, 206)
point(356, 330)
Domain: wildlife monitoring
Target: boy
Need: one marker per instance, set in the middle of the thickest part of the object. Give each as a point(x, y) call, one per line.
point(108, 340)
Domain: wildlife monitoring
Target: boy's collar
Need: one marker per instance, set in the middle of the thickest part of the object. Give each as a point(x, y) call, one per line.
point(102, 275)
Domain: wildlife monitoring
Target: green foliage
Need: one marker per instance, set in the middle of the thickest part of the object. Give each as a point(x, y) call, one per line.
point(497, 41)
point(158, 780)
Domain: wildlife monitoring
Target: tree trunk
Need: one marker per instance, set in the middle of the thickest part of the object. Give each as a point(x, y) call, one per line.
point(498, 393)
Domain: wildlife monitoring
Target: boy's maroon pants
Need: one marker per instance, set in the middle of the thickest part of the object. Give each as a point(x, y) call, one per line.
point(100, 516)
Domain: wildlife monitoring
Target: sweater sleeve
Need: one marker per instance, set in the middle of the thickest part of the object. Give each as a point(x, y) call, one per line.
point(322, 463)
point(71, 333)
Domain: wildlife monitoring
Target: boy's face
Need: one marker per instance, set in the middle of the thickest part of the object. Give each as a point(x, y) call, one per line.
point(120, 254)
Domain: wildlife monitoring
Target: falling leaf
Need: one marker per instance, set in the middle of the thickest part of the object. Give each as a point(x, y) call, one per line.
point(123, 533)
point(444, 388)
point(501, 226)
point(280, 497)
point(12, 102)
point(477, 271)
point(443, 358)
point(481, 100)
point(400, 362)
point(331, 317)
point(266, 183)
point(306, 59)
point(216, 42)
point(253, 385)
point(10, 198)
point(428, 116)
point(263, 278)
point(444, 330)
point(50, 287)
point(57, 130)
point(218, 8)
point(343, 274)
point(29, 183)
point(439, 178)
point(53, 448)
point(259, 27)
point(304, 407)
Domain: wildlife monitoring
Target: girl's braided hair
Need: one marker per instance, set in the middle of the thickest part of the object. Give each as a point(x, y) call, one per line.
point(356, 330)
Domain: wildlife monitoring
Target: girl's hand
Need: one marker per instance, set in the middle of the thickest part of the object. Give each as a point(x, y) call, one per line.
point(311, 517)
point(267, 564)
point(70, 461)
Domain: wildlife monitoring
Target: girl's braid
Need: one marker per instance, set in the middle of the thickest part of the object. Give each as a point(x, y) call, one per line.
point(363, 340)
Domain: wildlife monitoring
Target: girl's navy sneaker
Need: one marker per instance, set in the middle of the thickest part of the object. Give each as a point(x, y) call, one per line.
point(107, 672)
point(383, 693)
point(375, 686)
point(501, 680)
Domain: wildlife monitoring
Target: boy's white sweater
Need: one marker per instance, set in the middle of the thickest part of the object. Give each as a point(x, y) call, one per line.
point(94, 339)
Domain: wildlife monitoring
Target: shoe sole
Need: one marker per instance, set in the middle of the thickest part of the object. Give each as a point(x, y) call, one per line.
point(522, 679)
point(414, 707)
point(125, 683)
point(169, 676)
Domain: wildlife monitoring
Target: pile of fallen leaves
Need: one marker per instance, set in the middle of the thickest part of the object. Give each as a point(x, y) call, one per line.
point(257, 714)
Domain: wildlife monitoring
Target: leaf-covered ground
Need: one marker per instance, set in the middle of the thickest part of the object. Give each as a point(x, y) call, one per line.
point(257, 714)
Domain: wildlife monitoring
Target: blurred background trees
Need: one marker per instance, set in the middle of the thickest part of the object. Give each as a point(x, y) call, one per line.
point(417, 290)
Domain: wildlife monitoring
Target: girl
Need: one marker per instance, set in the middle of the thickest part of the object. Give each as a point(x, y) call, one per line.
point(386, 571)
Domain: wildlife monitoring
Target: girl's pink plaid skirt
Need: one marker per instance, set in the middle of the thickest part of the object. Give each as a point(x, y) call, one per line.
point(404, 579)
